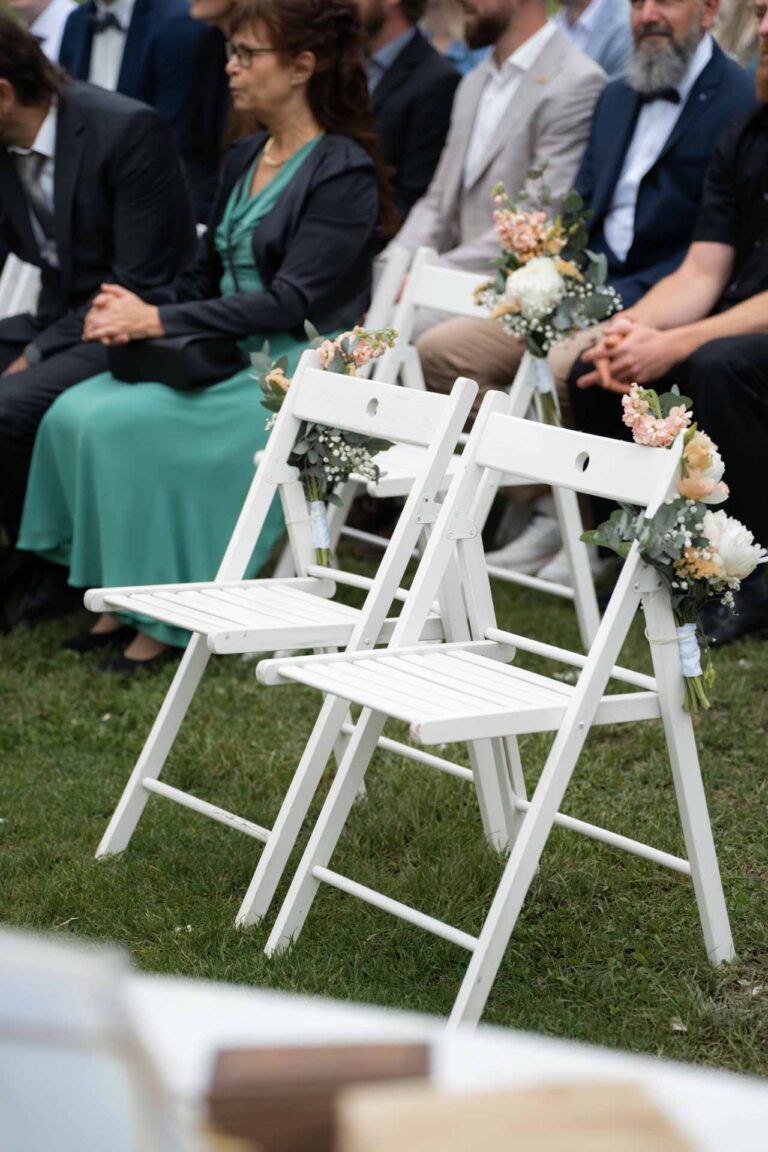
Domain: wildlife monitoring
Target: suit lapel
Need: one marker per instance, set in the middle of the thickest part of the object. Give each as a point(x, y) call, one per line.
point(467, 107)
point(129, 80)
point(14, 202)
point(625, 108)
point(698, 101)
point(397, 73)
point(70, 141)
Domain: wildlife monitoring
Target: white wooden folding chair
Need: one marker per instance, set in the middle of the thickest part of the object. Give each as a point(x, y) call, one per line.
point(431, 285)
point(472, 691)
point(233, 615)
point(19, 287)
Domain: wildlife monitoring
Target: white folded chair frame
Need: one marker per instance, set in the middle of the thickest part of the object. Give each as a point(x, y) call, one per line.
point(431, 285)
point(469, 691)
point(234, 615)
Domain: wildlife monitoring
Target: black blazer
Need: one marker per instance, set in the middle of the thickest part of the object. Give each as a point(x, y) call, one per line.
point(160, 59)
point(121, 209)
point(313, 250)
point(411, 107)
point(669, 196)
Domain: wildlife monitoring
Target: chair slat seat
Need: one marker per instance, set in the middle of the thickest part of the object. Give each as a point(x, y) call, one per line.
point(245, 618)
point(442, 693)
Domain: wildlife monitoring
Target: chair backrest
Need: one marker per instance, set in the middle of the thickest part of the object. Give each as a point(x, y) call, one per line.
point(544, 454)
point(429, 285)
point(19, 287)
point(388, 276)
point(367, 407)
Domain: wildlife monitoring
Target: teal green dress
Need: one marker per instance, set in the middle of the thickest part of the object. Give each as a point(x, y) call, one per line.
point(140, 484)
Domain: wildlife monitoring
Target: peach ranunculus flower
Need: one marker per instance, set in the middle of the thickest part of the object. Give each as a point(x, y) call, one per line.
point(278, 379)
point(568, 268)
point(698, 450)
point(703, 470)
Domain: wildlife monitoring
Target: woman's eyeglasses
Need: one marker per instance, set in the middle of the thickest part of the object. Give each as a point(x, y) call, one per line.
point(245, 54)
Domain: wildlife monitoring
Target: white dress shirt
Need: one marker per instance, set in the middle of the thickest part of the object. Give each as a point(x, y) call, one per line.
point(497, 95)
point(654, 126)
point(580, 32)
point(108, 46)
point(44, 145)
point(49, 26)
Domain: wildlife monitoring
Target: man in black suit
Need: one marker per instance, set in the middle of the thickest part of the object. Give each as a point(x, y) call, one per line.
point(412, 89)
point(147, 49)
point(90, 191)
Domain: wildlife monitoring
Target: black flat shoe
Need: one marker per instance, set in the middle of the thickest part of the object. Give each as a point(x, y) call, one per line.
point(722, 626)
point(92, 641)
point(128, 665)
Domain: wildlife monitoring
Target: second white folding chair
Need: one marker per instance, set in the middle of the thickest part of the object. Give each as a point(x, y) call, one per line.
point(234, 615)
point(472, 692)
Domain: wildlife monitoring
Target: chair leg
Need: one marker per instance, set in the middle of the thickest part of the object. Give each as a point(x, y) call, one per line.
point(293, 811)
point(516, 880)
point(155, 751)
point(494, 792)
point(689, 786)
point(327, 830)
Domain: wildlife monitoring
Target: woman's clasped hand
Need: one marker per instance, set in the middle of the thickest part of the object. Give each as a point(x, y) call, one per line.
point(117, 316)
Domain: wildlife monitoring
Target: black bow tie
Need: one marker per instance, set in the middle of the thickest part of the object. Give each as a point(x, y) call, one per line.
point(670, 94)
point(100, 21)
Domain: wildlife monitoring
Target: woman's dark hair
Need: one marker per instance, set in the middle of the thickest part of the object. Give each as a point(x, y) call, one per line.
point(338, 90)
point(23, 64)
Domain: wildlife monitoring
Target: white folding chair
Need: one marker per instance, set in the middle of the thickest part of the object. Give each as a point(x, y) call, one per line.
point(19, 287)
point(471, 691)
point(233, 615)
point(431, 285)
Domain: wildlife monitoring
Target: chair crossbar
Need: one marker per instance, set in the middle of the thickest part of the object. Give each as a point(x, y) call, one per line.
point(616, 840)
point(212, 811)
point(396, 908)
point(534, 582)
point(593, 465)
point(352, 580)
point(565, 656)
point(418, 755)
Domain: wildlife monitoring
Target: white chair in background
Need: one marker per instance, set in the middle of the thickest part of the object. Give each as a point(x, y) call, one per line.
point(473, 692)
point(432, 286)
point(233, 615)
point(19, 287)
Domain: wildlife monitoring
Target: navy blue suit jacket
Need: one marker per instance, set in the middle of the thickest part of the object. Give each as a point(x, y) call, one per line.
point(314, 250)
point(158, 64)
point(670, 193)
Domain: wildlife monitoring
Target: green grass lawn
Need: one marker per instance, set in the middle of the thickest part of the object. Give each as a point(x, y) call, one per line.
point(608, 948)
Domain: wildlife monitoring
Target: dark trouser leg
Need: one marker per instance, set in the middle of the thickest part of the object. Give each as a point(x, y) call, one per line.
point(728, 383)
point(25, 397)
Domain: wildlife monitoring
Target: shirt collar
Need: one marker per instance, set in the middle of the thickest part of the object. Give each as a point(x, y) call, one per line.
point(45, 142)
point(47, 22)
point(587, 20)
point(524, 57)
point(122, 9)
point(701, 58)
point(386, 56)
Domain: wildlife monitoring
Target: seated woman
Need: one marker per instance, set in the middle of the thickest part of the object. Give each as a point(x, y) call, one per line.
point(139, 484)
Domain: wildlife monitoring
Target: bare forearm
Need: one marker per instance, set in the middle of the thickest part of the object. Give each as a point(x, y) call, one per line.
point(680, 299)
point(750, 318)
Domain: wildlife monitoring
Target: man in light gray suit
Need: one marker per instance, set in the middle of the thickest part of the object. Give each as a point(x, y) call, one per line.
point(601, 29)
point(531, 101)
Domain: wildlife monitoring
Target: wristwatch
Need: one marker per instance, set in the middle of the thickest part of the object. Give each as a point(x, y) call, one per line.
point(32, 355)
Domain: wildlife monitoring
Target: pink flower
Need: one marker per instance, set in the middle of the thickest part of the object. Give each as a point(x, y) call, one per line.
point(524, 233)
point(648, 428)
point(326, 353)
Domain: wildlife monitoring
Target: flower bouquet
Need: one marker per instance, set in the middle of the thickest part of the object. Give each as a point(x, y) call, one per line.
point(548, 284)
point(700, 555)
point(326, 457)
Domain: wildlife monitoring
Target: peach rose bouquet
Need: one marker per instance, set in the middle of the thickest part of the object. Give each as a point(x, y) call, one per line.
point(326, 457)
point(702, 556)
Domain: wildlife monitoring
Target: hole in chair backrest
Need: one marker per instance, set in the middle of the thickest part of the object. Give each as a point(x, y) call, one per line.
point(372, 407)
point(582, 461)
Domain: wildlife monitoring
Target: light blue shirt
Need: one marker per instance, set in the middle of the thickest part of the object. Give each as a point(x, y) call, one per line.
point(380, 62)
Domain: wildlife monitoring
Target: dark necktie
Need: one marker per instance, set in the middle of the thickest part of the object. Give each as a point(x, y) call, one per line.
point(30, 167)
point(670, 94)
point(100, 21)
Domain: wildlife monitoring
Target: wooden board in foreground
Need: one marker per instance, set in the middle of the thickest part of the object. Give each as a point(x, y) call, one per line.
point(588, 1117)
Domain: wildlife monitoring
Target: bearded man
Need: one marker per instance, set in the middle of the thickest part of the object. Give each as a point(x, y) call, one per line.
point(650, 142)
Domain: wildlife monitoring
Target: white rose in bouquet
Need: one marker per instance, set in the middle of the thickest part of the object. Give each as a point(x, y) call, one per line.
point(537, 287)
point(734, 545)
